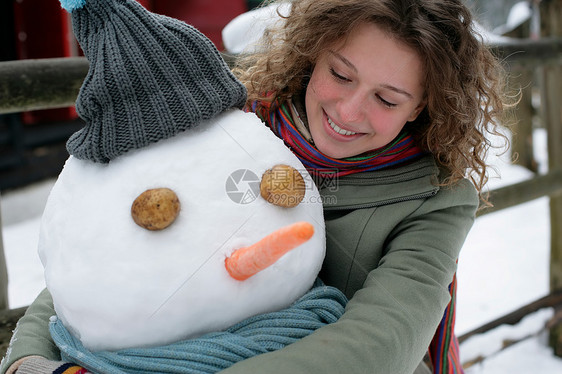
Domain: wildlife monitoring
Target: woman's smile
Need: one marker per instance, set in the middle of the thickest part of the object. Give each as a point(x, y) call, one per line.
point(340, 132)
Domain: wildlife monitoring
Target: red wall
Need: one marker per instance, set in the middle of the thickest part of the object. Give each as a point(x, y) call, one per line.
point(208, 16)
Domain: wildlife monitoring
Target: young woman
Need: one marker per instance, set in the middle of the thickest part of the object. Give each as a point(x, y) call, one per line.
point(387, 103)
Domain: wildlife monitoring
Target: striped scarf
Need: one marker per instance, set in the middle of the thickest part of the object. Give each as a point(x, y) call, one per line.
point(280, 120)
point(444, 348)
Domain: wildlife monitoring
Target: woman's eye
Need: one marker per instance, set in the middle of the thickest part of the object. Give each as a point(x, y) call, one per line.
point(339, 77)
point(385, 103)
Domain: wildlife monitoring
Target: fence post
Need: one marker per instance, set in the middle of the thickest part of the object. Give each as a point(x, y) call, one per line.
point(551, 96)
point(521, 80)
point(522, 143)
point(3, 273)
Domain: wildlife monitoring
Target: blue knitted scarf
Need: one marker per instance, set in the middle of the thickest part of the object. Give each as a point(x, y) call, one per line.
point(215, 351)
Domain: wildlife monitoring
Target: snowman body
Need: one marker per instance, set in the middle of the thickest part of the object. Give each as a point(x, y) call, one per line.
point(116, 285)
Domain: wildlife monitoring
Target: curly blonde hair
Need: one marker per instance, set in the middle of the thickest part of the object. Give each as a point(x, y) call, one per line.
point(463, 79)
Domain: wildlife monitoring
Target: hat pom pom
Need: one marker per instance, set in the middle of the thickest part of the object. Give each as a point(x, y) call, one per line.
point(70, 5)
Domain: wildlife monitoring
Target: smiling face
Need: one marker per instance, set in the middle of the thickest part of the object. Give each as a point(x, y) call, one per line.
point(362, 93)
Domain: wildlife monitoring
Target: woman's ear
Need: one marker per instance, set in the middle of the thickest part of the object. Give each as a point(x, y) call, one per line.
point(416, 112)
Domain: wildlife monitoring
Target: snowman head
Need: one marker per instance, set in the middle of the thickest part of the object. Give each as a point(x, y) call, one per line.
point(156, 228)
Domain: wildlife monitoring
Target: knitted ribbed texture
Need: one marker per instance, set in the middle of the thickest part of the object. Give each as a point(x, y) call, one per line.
point(150, 77)
point(215, 351)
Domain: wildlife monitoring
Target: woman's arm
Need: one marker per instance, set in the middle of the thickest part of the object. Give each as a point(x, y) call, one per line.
point(389, 323)
point(31, 336)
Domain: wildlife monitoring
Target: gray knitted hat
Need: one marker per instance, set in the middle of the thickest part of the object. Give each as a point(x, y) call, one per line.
point(150, 77)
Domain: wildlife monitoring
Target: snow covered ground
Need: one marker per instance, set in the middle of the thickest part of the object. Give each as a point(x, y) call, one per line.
point(503, 265)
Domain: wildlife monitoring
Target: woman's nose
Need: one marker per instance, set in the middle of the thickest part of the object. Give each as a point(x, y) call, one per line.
point(352, 107)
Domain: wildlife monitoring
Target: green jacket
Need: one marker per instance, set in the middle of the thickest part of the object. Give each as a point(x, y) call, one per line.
point(393, 239)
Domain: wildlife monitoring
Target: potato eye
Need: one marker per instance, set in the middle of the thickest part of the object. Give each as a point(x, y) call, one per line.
point(155, 209)
point(283, 185)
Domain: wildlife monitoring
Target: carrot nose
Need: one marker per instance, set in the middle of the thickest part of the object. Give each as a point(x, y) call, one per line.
point(248, 261)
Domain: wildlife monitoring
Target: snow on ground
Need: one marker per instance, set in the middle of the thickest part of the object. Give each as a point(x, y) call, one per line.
point(504, 262)
point(503, 266)
point(21, 217)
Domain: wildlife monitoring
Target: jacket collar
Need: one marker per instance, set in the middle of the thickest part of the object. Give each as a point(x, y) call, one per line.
point(415, 180)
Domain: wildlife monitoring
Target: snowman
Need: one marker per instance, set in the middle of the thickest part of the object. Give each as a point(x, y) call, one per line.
point(177, 215)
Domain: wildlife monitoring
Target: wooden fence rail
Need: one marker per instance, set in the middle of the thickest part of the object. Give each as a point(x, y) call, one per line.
point(40, 84)
point(518, 193)
point(55, 82)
